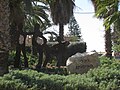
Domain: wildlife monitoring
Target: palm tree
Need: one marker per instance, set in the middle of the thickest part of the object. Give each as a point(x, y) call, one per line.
point(4, 35)
point(39, 16)
point(26, 13)
point(16, 19)
point(116, 28)
point(61, 11)
point(103, 10)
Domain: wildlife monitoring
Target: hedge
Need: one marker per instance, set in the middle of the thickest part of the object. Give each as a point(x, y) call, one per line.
point(105, 77)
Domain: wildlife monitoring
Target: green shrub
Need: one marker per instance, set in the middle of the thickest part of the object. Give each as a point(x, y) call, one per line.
point(32, 60)
point(11, 57)
point(110, 63)
point(11, 85)
point(33, 80)
point(105, 77)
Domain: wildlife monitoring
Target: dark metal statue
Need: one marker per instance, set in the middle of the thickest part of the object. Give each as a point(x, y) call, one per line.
point(20, 47)
point(60, 50)
point(38, 42)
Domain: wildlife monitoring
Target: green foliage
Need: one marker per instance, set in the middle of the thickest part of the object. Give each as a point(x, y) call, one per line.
point(11, 57)
point(55, 70)
point(107, 9)
point(74, 38)
point(105, 77)
point(116, 48)
point(61, 11)
point(74, 29)
point(111, 19)
point(32, 60)
point(32, 80)
point(110, 63)
point(38, 15)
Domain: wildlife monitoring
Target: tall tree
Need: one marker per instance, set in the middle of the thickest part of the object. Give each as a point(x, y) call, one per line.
point(4, 35)
point(26, 13)
point(103, 10)
point(73, 27)
point(116, 27)
point(116, 36)
point(61, 11)
point(39, 16)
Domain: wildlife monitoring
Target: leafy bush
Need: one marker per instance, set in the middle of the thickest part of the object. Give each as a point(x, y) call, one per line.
point(55, 70)
point(110, 63)
point(11, 57)
point(105, 77)
point(32, 60)
point(32, 80)
point(102, 78)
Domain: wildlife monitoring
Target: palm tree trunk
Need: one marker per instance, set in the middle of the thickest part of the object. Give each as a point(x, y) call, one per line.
point(61, 31)
point(4, 35)
point(3, 62)
point(108, 43)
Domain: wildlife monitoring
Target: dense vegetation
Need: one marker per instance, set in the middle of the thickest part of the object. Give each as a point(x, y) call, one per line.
point(105, 77)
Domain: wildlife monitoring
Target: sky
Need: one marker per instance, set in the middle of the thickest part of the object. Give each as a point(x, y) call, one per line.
point(92, 29)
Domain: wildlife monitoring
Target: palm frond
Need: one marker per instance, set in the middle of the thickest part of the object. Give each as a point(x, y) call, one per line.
point(28, 6)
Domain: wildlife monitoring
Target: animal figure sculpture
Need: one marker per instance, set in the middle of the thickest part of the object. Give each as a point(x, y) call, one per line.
point(63, 51)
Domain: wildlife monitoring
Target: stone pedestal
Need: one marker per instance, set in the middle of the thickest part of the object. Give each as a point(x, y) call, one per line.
point(82, 62)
